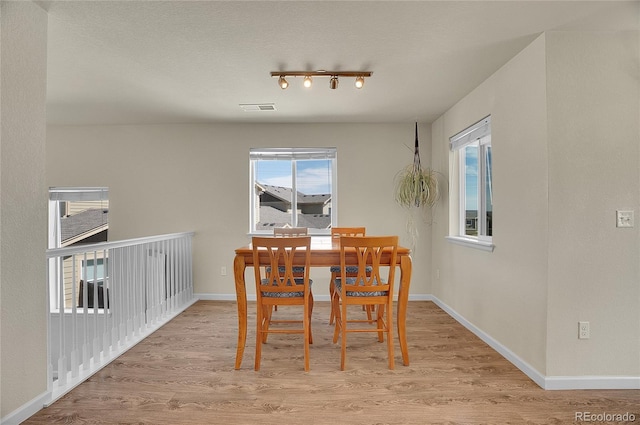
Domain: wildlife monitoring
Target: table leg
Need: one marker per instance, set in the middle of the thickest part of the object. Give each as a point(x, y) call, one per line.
point(241, 298)
point(403, 298)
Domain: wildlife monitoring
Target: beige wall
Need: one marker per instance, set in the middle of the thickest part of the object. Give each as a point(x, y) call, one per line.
point(594, 168)
point(173, 178)
point(23, 205)
point(565, 143)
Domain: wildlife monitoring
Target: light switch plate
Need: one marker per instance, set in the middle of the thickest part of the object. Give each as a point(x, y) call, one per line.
point(624, 218)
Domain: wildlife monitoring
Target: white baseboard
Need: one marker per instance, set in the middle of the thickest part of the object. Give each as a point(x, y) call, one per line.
point(592, 383)
point(545, 382)
point(219, 297)
point(27, 410)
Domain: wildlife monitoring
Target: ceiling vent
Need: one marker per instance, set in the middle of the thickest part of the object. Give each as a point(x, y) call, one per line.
point(250, 107)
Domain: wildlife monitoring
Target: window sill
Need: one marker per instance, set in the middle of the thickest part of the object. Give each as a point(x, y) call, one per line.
point(471, 243)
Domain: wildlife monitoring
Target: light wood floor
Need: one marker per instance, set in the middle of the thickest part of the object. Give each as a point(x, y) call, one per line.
point(183, 374)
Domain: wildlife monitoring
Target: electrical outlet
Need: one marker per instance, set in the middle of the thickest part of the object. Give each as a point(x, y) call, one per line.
point(583, 330)
point(223, 271)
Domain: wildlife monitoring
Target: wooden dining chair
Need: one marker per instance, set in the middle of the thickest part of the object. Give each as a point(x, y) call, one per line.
point(288, 232)
point(352, 270)
point(366, 289)
point(282, 288)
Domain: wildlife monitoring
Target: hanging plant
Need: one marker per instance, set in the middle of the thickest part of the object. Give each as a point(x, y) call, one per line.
point(416, 186)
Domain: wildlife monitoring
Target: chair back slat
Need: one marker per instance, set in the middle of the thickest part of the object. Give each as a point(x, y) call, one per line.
point(369, 251)
point(290, 231)
point(281, 253)
point(337, 232)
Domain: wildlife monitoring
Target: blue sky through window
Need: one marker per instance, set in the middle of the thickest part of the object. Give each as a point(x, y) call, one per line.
point(471, 177)
point(313, 176)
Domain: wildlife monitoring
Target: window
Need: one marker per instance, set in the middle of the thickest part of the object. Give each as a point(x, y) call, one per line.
point(93, 270)
point(471, 149)
point(294, 187)
point(78, 215)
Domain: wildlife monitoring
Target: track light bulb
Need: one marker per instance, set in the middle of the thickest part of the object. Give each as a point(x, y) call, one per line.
point(359, 82)
point(282, 83)
point(333, 82)
point(307, 81)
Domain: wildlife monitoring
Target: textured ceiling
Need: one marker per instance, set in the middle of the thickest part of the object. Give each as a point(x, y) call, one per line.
point(131, 62)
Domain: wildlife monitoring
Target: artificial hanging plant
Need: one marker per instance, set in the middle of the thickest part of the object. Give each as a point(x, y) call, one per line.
point(416, 186)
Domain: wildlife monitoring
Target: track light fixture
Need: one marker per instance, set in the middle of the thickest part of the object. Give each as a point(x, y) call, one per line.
point(333, 75)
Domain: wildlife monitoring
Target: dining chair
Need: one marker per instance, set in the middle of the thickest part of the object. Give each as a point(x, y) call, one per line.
point(336, 233)
point(288, 232)
point(282, 288)
point(366, 289)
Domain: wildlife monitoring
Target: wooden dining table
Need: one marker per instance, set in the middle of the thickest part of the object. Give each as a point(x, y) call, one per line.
point(325, 252)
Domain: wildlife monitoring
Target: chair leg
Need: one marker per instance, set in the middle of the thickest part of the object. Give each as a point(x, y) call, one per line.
point(390, 336)
point(306, 323)
point(268, 312)
point(310, 315)
point(259, 336)
point(380, 322)
point(343, 320)
point(332, 294)
point(369, 309)
point(335, 308)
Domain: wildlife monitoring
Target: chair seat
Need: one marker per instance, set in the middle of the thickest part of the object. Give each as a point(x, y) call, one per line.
point(285, 294)
point(350, 269)
point(352, 281)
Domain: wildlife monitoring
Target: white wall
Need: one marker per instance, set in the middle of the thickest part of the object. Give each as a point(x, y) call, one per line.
point(171, 178)
point(23, 202)
point(593, 94)
point(565, 141)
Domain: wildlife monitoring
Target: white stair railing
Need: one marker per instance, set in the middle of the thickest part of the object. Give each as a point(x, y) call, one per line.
point(104, 298)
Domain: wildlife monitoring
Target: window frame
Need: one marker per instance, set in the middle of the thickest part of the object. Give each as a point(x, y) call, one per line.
point(478, 134)
point(59, 197)
point(294, 155)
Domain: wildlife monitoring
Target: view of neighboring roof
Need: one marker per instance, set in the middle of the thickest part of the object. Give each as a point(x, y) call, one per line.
point(79, 226)
point(271, 217)
point(285, 194)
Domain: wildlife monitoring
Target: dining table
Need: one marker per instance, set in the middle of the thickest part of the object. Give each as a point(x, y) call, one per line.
point(325, 252)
